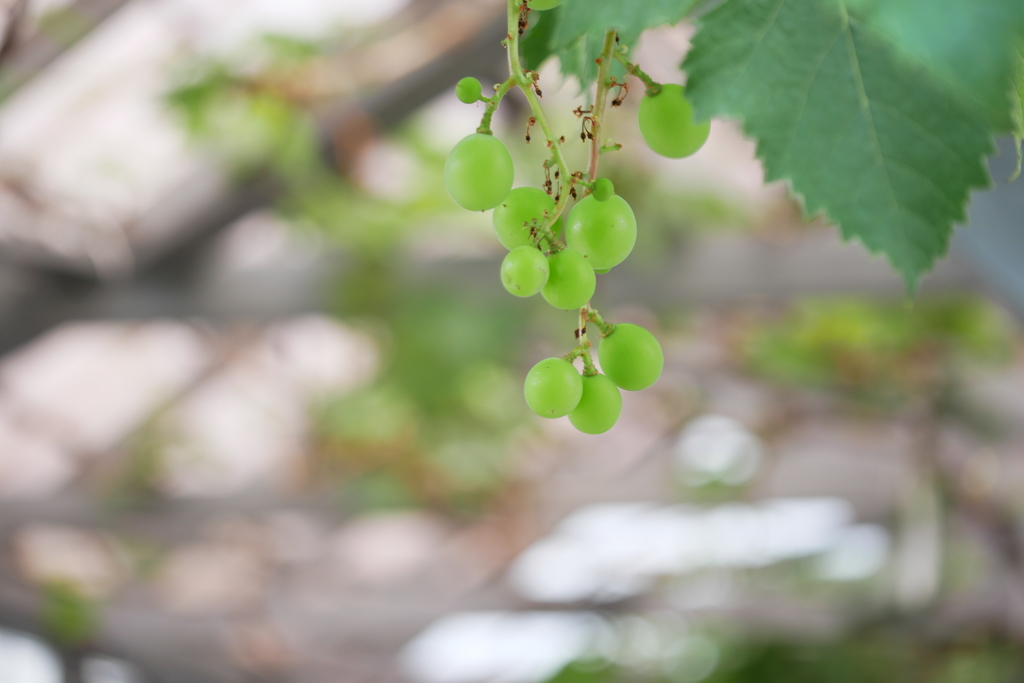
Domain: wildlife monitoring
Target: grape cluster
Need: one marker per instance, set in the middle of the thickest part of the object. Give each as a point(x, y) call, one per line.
point(560, 259)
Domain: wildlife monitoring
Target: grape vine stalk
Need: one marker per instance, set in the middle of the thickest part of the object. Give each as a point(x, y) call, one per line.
point(560, 256)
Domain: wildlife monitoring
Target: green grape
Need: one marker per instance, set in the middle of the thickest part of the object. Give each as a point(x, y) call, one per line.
point(524, 272)
point(572, 281)
point(631, 357)
point(667, 125)
point(603, 189)
point(543, 4)
point(553, 387)
point(518, 210)
point(599, 407)
point(601, 271)
point(478, 172)
point(604, 232)
point(468, 90)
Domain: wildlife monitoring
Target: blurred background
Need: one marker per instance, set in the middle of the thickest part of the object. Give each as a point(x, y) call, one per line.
point(260, 386)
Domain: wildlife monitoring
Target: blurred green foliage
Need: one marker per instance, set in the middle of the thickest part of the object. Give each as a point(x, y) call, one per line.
point(447, 400)
point(137, 477)
point(68, 616)
point(433, 429)
point(876, 351)
point(867, 658)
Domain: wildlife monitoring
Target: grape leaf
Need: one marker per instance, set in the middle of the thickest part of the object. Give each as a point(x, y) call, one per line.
point(536, 46)
point(874, 140)
point(969, 44)
point(580, 27)
point(1017, 107)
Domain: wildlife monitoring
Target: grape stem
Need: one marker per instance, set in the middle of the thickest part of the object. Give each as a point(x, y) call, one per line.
point(653, 87)
point(492, 105)
point(525, 82)
point(595, 317)
point(589, 369)
point(565, 178)
point(603, 86)
point(583, 346)
point(539, 236)
point(583, 351)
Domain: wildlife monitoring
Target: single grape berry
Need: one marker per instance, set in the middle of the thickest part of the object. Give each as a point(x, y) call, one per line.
point(599, 407)
point(631, 357)
point(553, 388)
point(478, 172)
point(524, 272)
point(601, 271)
point(572, 282)
point(513, 216)
point(667, 125)
point(468, 90)
point(543, 4)
point(604, 232)
point(603, 189)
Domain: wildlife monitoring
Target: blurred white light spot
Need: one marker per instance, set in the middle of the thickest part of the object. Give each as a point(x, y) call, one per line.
point(717, 448)
point(91, 383)
point(610, 551)
point(258, 240)
point(557, 569)
point(498, 647)
point(859, 552)
point(443, 121)
point(798, 527)
point(228, 25)
point(27, 660)
point(696, 660)
point(387, 170)
point(321, 355)
point(736, 535)
point(108, 670)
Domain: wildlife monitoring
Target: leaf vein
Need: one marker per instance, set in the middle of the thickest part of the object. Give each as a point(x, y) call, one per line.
point(807, 96)
point(865, 102)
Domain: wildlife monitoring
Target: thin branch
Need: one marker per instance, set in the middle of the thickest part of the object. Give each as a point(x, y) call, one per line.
point(15, 19)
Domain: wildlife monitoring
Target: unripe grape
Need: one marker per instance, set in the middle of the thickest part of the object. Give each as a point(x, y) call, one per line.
point(604, 232)
point(553, 388)
point(572, 282)
point(478, 172)
point(543, 4)
point(599, 407)
point(468, 90)
point(524, 272)
point(631, 357)
point(517, 211)
point(603, 189)
point(667, 125)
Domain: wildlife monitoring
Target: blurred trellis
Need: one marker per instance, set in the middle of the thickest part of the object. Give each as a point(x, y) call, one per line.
point(245, 445)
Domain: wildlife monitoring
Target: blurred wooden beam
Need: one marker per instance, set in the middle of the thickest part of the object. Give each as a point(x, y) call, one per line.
point(61, 31)
point(194, 214)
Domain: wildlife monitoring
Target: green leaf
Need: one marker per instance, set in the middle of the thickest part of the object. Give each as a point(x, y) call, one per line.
point(536, 45)
point(580, 27)
point(878, 142)
point(68, 616)
point(1017, 107)
point(968, 44)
